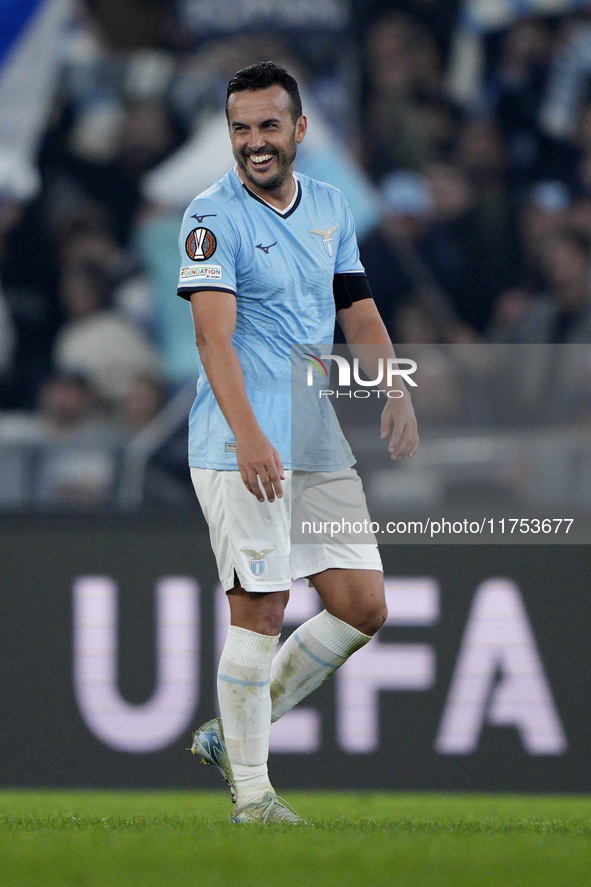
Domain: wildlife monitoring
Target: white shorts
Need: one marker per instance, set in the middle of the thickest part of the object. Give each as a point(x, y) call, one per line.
point(252, 539)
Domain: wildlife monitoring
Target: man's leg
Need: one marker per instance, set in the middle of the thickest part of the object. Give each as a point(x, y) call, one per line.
point(355, 609)
point(243, 686)
point(250, 540)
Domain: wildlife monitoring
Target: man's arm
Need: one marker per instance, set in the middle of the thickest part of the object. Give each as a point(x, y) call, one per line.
point(362, 325)
point(214, 316)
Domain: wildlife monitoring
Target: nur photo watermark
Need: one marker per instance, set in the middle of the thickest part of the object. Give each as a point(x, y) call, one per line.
point(505, 452)
point(350, 381)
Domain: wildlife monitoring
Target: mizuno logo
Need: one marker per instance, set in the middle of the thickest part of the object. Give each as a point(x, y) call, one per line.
point(206, 216)
point(265, 249)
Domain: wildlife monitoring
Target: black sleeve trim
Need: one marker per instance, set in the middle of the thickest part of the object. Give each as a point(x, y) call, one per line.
point(349, 288)
point(185, 292)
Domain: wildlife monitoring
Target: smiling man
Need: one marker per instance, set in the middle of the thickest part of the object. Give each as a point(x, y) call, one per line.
point(265, 153)
point(268, 258)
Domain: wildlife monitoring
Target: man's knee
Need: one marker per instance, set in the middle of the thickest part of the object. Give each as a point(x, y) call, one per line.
point(371, 616)
point(356, 597)
point(367, 614)
point(261, 612)
point(269, 622)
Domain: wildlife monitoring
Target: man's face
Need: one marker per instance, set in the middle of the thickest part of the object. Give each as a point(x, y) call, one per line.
point(264, 136)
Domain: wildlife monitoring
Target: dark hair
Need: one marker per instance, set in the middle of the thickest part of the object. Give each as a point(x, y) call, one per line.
point(262, 76)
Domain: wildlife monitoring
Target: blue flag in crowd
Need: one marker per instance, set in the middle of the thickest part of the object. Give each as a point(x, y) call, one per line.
point(30, 47)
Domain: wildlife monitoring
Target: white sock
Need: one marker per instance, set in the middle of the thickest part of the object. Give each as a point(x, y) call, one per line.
point(245, 706)
point(308, 657)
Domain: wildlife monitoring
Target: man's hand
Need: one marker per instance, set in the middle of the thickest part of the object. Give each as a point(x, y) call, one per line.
point(364, 330)
point(398, 420)
point(260, 463)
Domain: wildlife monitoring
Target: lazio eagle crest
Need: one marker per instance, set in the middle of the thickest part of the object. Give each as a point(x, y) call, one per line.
point(257, 563)
point(326, 237)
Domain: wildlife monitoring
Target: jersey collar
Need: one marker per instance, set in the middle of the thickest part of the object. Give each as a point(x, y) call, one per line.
point(284, 213)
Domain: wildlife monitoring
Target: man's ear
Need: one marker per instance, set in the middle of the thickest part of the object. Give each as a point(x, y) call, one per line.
point(301, 127)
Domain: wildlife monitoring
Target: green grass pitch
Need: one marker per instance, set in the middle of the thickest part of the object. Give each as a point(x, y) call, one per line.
point(165, 839)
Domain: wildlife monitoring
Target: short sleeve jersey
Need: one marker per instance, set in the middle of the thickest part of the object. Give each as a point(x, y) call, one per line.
point(280, 267)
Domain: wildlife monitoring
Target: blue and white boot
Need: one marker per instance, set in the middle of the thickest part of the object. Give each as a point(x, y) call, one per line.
point(208, 741)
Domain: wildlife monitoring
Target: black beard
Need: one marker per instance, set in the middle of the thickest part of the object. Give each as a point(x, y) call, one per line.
point(285, 161)
point(272, 184)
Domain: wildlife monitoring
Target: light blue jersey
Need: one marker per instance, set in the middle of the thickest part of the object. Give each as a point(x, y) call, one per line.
point(280, 266)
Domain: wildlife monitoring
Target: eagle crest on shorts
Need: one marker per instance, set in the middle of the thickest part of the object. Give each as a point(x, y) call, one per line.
point(257, 563)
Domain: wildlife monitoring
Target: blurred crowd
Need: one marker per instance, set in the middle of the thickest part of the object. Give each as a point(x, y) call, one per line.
point(462, 144)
